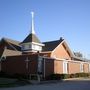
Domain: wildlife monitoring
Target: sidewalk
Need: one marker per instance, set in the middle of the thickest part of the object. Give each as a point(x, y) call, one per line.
point(58, 81)
point(81, 78)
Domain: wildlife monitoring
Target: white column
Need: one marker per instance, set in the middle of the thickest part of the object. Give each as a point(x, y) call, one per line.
point(65, 67)
point(89, 67)
point(81, 67)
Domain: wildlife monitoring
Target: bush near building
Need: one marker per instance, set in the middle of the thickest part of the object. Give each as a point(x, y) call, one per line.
point(50, 77)
point(65, 76)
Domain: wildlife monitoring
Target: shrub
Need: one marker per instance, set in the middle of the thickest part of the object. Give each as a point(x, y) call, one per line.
point(57, 76)
point(20, 76)
point(71, 75)
point(3, 74)
point(82, 74)
point(34, 77)
point(17, 76)
point(65, 76)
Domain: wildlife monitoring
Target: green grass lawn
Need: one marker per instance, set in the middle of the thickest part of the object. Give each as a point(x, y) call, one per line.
point(7, 82)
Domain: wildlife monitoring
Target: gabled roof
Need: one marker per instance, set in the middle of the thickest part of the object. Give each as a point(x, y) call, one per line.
point(80, 59)
point(12, 41)
point(31, 38)
point(8, 52)
point(51, 45)
point(68, 48)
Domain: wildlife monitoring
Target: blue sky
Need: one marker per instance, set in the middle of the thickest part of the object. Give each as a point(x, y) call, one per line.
point(69, 19)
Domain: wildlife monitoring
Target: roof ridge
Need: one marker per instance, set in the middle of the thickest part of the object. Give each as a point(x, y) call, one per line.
point(51, 41)
point(51, 45)
point(10, 39)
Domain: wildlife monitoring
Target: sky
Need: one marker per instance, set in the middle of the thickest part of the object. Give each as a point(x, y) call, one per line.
point(69, 19)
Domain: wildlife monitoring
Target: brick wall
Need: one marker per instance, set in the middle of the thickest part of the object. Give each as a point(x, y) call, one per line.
point(58, 67)
point(73, 67)
point(86, 67)
point(49, 67)
point(17, 64)
point(60, 52)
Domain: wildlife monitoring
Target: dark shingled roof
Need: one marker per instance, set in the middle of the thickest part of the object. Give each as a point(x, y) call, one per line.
point(51, 45)
point(31, 38)
point(11, 43)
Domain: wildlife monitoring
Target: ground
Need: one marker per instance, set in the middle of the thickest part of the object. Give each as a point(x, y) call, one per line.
point(75, 84)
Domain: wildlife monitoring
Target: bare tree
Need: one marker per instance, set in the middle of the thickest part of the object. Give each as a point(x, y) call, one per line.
point(78, 54)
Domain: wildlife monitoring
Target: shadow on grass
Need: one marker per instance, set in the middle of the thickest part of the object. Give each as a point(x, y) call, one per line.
point(70, 84)
point(17, 83)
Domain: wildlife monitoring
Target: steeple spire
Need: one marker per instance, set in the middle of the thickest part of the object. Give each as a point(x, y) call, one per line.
point(32, 23)
point(31, 40)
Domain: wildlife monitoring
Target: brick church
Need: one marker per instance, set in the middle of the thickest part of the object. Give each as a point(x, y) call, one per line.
point(31, 56)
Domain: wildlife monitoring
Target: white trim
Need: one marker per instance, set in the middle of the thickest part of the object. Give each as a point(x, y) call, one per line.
point(46, 51)
point(65, 67)
point(67, 45)
point(70, 60)
point(40, 44)
point(34, 46)
point(71, 53)
point(55, 49)
point(11, 45)
point(89, 67)
point(81, 67)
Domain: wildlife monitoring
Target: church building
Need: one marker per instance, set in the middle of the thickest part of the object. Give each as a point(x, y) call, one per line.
point(33, 57)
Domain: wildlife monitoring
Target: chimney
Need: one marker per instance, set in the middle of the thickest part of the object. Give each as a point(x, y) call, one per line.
point(61, 38)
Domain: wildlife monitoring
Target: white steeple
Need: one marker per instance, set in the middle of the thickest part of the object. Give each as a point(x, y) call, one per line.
point(32, 23)
point(31, 43)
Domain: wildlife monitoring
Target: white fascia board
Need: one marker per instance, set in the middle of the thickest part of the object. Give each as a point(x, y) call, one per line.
point(69, 60)
point(71, 53)
point(33, 43)
point(56, 48)
point(40, 44)
point(68, 47)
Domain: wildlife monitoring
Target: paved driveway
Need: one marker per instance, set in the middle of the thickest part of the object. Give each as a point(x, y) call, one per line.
point(64, 85)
